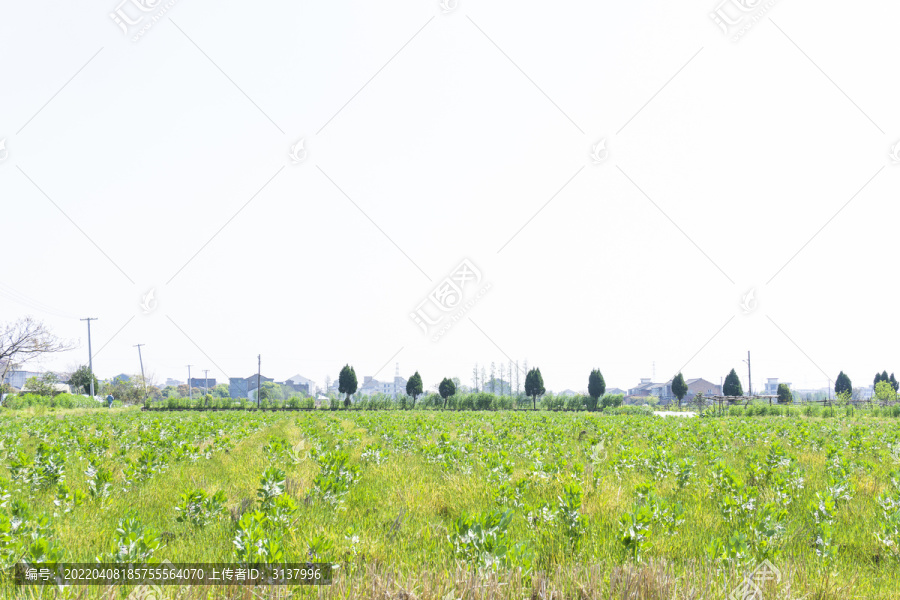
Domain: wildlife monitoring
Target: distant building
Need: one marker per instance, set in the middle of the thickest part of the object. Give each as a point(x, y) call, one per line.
point(201, 382)
point(394, 388)
point(771, 386)
point(173, 382)
point(663, 391)
point(58, 388)
point(697, 386)
point(647, 388)
point(866, 393)
point(299, 383)
point(17, 379)
point(241, 387)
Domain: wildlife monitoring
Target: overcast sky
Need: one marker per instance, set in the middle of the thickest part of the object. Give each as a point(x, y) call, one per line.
point(623, 184)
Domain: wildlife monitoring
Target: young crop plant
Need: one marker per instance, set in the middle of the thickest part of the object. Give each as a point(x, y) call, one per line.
point(49, 466)
point(539, 515)
point(4, 492)
point(255, 541)
point(149, 462)
point(649, 510)
point(737, 501)
point(683, 471)
point(68, 499)
point(889, 527)
point(569, 510)
point(188, 452)
point(765, 530)
point(658, 463)
point(824, 509)
point(282, 510)
point(198, 508)
point(21, 468)
point(271, 485)
point(635, 528)
point(42, 550)
point(734, 549)
point(372, 454)
point(509, 494)
point(786, 485)
point(500, 468)
point(133, 543)
point(481, 540)
point(275, 449)
point(99, 482)
point(24, 537)
point(335, 477)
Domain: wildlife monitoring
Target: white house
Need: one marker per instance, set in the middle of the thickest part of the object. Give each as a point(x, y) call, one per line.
point(300, 383)
point(394, 388)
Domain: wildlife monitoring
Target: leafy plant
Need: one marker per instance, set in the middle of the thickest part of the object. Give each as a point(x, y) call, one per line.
point(198, 508)
point(271, 485)
point(133, 543)
point(99, 482)
point(67, 499)
point(255, 541)
point(481, 540)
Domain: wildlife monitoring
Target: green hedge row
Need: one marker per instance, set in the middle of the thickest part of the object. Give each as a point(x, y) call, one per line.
point(20, 401)
point(209, 401)
point(808, 410)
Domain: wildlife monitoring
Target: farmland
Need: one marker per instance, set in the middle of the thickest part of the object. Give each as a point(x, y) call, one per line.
point(434, 504)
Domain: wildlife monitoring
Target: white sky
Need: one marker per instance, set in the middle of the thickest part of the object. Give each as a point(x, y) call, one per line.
point(761, 163)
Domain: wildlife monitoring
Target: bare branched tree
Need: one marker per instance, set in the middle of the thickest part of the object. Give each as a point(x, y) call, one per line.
point(26, 340)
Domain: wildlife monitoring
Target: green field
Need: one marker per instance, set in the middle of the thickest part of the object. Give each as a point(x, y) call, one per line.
point(446, 505)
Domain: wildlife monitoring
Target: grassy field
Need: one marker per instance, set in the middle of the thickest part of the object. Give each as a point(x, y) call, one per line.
point(447, 505)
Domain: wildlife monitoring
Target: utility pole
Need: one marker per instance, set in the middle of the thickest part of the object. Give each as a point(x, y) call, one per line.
point(143, 380)
point(90, 354)
point(190, 387)
point(205, 381)
point(258, 376)
point(749, 381)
